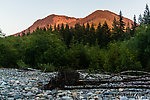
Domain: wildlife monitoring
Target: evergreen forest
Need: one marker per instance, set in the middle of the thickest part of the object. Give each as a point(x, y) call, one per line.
point(101, 48)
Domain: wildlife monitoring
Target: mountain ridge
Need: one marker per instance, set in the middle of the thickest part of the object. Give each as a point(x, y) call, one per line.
point(95, 18)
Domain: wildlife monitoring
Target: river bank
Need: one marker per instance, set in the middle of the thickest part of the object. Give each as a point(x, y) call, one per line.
point(24, 85)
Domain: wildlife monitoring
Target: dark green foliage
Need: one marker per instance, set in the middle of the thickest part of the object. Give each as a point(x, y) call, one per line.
point(80, 47)
point(87, 28)
point(51, 51)
point(134, 25)
point(106, 34)
point(77, 56)
point(28, 33)
point(128, 32)
point(58, 28)
point(92, 35)
point(8, 52)
point(55, 28)
point(47, 67)
point(62, 28)
point(51, 28)
point(120, 58)
point(141, 43)
point(78, 33)
point(99, 34)
point(48, 26)
point(23, 34)
point(121, 27)
point(44, 29)
point(115, 29)
point(67, 35)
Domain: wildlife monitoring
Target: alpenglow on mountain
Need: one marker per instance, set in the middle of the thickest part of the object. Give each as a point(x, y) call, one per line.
point(99, 16)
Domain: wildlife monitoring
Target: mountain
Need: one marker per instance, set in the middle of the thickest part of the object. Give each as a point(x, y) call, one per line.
point(95, 18)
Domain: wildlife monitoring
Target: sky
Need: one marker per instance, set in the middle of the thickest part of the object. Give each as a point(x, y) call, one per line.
point(17, 15)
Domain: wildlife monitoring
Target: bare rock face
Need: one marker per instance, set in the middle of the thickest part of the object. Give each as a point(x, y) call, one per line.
point(95, 18)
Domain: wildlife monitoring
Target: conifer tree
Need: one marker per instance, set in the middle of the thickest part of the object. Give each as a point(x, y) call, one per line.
point(62, 31)
point(87, 28)
point(106, 34)
point(105, 28)
point(140, 19)
point(78, 32)
point(2, 35)
point(44, 29)
point(47, 26)
point(62, 28)
point(92, 36)
point(99, 34)
point(19, 35)
point(99, 27)
point(58, 28)
point(115, 25)
point(50, 28)
point(55, 28)
point(67, 35)
point(128, 28)
point(83, 29)
point(121, 23)
point(37, 29)
point(121, 27)
point(23, 33)
point(115, 29)
point(146, 16)
point(84, 38)
point(128, 31)
point(28, 34)
point(134, 25)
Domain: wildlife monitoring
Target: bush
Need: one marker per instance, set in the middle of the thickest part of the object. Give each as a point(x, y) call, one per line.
point(21, 64)
point(47, 67)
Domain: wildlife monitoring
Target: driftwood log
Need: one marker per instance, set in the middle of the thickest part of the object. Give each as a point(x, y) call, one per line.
point(69, 79)
point(65, 78)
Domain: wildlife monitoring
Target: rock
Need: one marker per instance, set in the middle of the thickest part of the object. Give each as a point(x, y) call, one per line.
point(66, 98)
point(17, 97)
point(54, 92)
point(40, 95)
point(17, 82)
point(23, 85)
point(29, 94)
point(123, 98)
point(27, 89)
point(90, 93)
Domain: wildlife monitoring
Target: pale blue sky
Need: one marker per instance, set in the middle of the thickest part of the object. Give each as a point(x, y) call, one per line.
point(17, 15)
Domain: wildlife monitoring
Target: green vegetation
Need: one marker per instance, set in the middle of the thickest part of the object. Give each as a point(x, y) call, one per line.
point(82, 47)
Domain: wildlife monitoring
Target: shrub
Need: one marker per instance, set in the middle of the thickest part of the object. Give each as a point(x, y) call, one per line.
point(21, 64)
point(47, 67)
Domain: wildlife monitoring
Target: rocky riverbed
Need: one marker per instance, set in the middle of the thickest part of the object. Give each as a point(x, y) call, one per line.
point(27, 85)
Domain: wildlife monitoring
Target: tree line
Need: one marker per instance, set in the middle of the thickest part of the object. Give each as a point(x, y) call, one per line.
point(90, 34)
point(82, 47)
